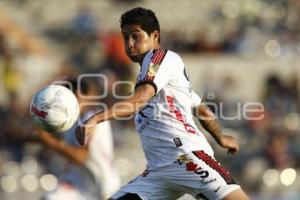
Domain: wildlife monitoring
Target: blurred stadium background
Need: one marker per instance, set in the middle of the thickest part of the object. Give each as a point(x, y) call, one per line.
point(236, 51)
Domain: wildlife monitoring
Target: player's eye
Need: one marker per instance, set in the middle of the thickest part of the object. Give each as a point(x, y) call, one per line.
point(136, 36)
point(125, 37)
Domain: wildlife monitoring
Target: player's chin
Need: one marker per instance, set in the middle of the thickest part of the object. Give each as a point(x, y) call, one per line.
point(134, 58)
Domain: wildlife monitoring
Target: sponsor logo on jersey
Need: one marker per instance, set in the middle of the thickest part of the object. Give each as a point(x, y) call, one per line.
point(145, 125)
point(191, 166)
point(179, 116)
point(209, 181)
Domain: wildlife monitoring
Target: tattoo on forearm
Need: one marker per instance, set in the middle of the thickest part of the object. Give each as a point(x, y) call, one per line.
point(212, 126)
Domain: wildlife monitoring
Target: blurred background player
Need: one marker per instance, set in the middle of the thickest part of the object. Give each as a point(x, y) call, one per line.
point(91, 174)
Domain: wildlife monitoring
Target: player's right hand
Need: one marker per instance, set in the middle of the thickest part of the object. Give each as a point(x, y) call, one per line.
point(35, 134)
point(229, 143)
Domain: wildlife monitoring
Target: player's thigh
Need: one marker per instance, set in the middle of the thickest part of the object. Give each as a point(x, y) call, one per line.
point(237, 194)
point(147, 188)
point(203, 176)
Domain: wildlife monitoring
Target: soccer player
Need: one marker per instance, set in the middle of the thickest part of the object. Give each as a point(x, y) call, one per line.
point(91, 174)
point(179, 158)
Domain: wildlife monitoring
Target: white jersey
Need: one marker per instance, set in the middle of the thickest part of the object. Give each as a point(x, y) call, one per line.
point(99, 164)
point(165, 125)
point(100, 161)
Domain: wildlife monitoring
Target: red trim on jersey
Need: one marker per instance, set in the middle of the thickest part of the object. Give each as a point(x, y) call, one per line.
point(214, 165)
point(158, 56)
point(148, 78)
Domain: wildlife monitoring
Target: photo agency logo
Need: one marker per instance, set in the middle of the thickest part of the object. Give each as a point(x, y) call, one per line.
point(226, 111)
point(231, 110)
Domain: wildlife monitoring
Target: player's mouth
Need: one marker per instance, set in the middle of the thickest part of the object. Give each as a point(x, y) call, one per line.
point(132, 53)
point(134, 58)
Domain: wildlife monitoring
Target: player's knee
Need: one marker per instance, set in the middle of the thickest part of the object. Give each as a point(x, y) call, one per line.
point(128, 196)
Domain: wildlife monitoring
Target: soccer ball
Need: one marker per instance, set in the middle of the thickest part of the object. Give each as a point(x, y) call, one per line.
point(54, 109)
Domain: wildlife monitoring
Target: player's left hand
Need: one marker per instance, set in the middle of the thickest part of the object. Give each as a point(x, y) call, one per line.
point(229, 143)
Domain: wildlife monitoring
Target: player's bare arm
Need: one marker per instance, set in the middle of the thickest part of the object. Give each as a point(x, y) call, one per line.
point(77, 155)
point(210, 124)
point(120, 109)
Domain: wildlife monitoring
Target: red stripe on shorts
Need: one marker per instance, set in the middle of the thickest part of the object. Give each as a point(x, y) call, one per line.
point(215, 165)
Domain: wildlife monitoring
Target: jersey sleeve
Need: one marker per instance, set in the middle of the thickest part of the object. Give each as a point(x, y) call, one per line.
point(196, 100)
point(159, 69)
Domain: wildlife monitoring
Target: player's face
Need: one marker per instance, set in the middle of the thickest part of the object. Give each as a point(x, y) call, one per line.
point(138, 42)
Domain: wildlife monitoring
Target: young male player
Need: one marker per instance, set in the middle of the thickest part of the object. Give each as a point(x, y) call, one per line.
point(180, 160)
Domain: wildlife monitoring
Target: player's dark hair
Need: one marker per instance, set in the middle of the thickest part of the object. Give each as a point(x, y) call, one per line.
point(141, 16)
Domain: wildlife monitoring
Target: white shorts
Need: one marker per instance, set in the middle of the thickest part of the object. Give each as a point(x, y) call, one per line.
point(195, 173)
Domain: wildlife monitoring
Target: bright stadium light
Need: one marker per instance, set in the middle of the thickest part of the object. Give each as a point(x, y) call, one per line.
point(29, 183)
point(278, 10)
point(288, 176)
point(230, 9)
point(272, 48)
point(48, 182)
point(292, 121)
point(11, 168)
point(29, 165)
point(270, 177)
point(9, 184)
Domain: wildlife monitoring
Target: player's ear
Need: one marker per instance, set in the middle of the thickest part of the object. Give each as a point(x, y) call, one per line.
point(156, 35)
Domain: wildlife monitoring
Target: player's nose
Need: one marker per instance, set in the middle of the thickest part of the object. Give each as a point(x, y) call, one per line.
point(130, 43)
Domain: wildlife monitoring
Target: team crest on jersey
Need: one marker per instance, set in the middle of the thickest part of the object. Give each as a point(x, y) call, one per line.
point(153, 68)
